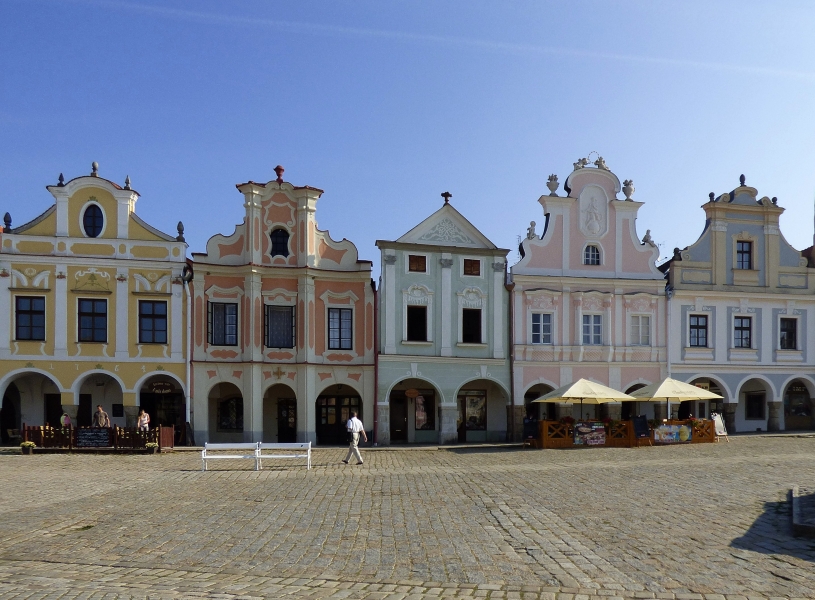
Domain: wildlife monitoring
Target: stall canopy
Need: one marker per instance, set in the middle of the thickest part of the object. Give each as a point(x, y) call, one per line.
point(672, 390)
point(584, 391)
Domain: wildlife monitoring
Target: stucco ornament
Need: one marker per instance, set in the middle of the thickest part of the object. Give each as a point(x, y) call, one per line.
point(593, 206)
point(446, 231)
point(592, 217)
point(646, 239)
point(552, 184)
point(581, 162)
point(530, 231)
point(600, 163)
point(628, 188)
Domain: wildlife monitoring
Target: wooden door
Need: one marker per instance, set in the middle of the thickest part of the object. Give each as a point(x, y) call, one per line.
point(286, 420)
point(399, 419)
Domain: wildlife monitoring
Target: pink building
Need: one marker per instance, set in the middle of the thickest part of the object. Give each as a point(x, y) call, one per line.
point(283, 325)
point(588, 300)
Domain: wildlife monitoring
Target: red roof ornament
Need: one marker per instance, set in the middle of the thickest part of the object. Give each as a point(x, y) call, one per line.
point(279, 170)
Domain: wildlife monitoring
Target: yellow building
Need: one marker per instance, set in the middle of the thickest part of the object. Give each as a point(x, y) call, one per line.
point(94, 311)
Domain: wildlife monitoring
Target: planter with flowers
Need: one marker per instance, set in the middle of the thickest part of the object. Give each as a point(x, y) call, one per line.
point(152, 447)
point(28, 447)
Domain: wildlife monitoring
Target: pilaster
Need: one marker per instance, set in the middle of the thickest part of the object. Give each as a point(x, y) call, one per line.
point(447, 318)
point(60, 312)
point(448, 425)
point(774, 416)
point(122, 320)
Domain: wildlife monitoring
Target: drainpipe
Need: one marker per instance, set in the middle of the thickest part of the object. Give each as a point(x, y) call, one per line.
point(375, 440)
point(510, 287)
point(186, 278)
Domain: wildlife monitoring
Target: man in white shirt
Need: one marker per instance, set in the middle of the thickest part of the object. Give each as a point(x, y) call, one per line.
point(355, 428)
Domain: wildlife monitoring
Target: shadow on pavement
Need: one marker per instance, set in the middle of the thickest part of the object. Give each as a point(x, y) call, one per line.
point(771, 533)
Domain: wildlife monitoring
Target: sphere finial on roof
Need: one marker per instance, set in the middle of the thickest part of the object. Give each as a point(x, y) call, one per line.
point(711, 195)
point(279, 170)
point(94, 169)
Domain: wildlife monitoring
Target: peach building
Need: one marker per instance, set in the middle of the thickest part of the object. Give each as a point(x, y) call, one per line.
point(587, 300)
point(283, 342)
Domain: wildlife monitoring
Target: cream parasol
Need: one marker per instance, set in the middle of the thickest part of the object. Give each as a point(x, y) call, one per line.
point(585, 391)
point(672, 389)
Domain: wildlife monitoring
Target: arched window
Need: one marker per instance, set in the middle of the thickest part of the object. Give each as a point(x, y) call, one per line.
point(93, 221)
point(280, 242)
point(591, 255)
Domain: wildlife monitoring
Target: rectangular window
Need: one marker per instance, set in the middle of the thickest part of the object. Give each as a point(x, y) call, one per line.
point(417, 264)
point(417, 323)
point(152, 322)
point(471, 325)
point(339, 328)
point(754, 406)
point(30, 318)
point(222, 324)
point(698, 331)
point(640, 330)
point(280, 327)
point(593, 330)
point(93, 320)
point(472, 266)
point(741, 337)
point(789, 338)
point(473, 405)
point(744, 255)
point(541, 328)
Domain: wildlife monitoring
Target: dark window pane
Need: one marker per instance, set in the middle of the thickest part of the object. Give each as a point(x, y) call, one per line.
point(471, 326)
point(340, 329)
point(30, 318)
point(152, 322)
point(280, 243)
point(280, 327)
point(92, 221)
point(417, 323)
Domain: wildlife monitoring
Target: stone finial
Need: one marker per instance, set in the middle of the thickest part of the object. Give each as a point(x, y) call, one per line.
point(94, 169)
point(775, 201)
point(628, 189)
point(581, 162)
point(712, 196)
point(180, 228)
point(7, 222)
point(530, 231)
point(446, 196)
point(677, 254)
point(61, 180)
point(741, 180)
point(600, 163)
point(127, 182)
point(279, 170)
point(552, 184)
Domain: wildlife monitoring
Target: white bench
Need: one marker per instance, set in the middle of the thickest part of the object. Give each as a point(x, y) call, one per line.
point(303, 447)
point(249, 451)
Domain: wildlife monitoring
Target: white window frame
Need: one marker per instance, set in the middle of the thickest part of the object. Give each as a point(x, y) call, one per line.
point(480, 267)
point(699, 313)
point(583, 254)
point(541, 333)
point(592, 324)
point(329, 299)
point(797, 333)
point(752, 345)
point(417, 295)
point(92, 200)
point(472, 297)
point(234, 294)
point(638, 340)
point(426, 255)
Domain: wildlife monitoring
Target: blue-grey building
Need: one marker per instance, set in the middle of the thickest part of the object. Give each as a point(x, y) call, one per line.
point(739, 311)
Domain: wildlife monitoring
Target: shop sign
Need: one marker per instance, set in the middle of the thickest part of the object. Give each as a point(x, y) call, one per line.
point(589, 433)
point(160, 387)
point(412, 393)
point(672, 434)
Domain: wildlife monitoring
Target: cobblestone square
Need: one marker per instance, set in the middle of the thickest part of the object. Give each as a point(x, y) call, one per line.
point(701, 521)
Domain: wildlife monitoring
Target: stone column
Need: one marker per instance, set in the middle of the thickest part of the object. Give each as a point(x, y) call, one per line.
point(774, 416)
point(131, 415)
point(520, 413)
point(730, 416)
point(383, 426)
point(660, 411)
point(448, 424)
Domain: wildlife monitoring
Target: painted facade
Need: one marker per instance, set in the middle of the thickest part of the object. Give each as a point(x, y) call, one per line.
point(443, 356)
point(587, 298)
point(93, 311)
point(741, 301)
point(283, 343)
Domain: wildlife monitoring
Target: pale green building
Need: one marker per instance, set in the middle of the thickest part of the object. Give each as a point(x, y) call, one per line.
point(443, 372)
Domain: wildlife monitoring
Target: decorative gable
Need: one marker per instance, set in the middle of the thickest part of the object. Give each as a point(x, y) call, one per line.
point(447, 227)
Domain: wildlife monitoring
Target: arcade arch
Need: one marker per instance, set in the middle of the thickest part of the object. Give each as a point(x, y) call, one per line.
point(280, 414)
point(799, 405)
point(226, 410)
point(414, 412)
point(333, 409)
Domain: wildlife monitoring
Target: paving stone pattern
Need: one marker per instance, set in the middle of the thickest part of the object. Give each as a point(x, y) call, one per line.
point(707, 521)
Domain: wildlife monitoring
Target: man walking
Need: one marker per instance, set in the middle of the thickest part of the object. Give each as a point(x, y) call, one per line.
point(355, 428)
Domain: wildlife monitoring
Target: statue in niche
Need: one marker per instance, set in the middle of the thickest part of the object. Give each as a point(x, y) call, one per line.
point(594, 220)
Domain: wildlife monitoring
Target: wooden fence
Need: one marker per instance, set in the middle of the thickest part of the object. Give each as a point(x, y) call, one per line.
point(120, 438)
point(619, 434)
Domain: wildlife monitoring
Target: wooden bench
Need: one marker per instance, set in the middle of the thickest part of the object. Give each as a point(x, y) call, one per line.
point(235, 452)
point(304, 447)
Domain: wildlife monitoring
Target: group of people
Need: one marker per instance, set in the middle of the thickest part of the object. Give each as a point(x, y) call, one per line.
point(101, 419)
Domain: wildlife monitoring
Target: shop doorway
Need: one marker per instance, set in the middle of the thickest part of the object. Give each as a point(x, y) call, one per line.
point(798, 407)
point(287, 420)
point(399, 418)
point(280, 414)
point(334, 408)
point(472, 416)
point(53, 409)
point(10, 412)
point(539, 411)
point(163, 399)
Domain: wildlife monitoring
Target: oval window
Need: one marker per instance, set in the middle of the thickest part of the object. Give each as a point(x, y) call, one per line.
point(93, 221)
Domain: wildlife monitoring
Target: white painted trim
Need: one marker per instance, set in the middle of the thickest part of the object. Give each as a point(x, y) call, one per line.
point(479, 301)
point(417, 295)
point(92, 200)
point(408, 253)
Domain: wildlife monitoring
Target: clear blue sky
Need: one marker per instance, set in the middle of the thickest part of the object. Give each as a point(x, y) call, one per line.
point(385, 105)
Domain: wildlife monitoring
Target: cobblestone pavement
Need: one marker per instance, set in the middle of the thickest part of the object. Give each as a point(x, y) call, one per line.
point(707, 521)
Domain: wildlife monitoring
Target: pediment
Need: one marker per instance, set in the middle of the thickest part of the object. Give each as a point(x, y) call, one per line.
point(447, 227)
